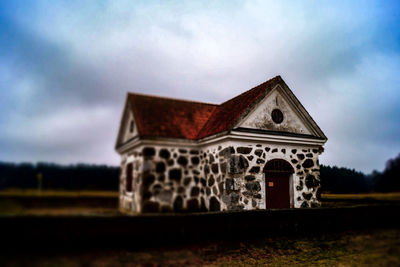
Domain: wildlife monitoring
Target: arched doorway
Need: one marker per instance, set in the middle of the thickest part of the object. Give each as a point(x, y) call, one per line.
point(278, 173)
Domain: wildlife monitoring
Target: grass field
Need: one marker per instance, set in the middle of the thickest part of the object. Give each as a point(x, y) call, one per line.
point(58, 202)
point(395, 196)
point(362, 248)
point(343, 200)
point(56, 193)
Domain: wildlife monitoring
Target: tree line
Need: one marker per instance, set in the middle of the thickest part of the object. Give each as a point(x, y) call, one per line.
point(55, 176)
point(344, 180)
point(101, 177)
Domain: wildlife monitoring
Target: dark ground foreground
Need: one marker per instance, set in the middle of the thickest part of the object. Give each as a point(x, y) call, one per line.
point(372, 247)
point(85, 229)
point(52, 232)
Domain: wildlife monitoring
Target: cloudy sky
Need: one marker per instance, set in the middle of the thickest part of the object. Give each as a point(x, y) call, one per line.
point(65, 67)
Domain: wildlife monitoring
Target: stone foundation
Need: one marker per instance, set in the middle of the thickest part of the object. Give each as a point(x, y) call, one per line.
point(221, 177)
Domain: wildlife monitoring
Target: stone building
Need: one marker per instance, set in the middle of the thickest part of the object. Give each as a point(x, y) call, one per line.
point(258, 150)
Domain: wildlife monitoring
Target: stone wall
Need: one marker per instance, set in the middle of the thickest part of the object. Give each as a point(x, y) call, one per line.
point(226, 176)
point(171, 180)
point(245, 184)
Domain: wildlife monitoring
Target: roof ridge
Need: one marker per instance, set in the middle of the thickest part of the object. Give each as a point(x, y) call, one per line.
point(171, 98)
point(219, 107)
point(255, 87)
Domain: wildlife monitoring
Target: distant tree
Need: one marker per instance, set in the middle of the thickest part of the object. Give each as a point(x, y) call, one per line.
point(374, 178)
point(389, 180)
point(54, 176)
point(342, 180)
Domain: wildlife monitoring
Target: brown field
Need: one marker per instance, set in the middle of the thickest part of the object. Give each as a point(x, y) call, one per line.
point(55, 193)
point(58, 202)
point(345, 200)
point(395, 196)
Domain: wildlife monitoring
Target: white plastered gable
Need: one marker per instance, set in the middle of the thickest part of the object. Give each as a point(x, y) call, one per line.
point(295, 118)
point(128, 132)
point(125, 134)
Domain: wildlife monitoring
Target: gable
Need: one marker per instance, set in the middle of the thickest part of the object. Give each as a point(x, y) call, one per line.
point(295, 117)
point(128, 127)
point(260, 117)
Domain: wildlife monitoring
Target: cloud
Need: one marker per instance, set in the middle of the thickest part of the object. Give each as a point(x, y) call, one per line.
point(64, 61)
point(68, 135)
point(364, 121)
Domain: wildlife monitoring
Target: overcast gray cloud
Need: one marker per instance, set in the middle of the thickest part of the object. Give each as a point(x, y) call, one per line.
point(65, 68)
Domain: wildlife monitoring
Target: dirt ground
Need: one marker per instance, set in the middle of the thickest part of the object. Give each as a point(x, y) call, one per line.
point(363, 248)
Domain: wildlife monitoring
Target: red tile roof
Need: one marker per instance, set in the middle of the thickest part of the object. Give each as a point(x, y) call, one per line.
point(165, 117)
point(228, 113)
point(173, 118)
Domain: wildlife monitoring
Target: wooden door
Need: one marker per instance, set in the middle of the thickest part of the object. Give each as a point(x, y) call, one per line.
point(277, 192)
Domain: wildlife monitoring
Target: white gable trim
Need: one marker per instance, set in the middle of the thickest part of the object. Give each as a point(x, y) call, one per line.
point(231, 136)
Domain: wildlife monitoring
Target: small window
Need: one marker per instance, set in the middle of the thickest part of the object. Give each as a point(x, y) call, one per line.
point(131, 126)
point(277, 116)
point(129, 177)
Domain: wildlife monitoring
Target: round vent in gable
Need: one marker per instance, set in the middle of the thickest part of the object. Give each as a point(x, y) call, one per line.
point(277, 116)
